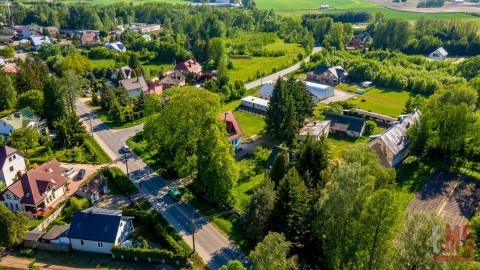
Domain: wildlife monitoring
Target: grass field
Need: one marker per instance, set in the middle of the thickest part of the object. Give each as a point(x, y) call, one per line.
point(102, 63)
point(250, 68)
point(249, 123)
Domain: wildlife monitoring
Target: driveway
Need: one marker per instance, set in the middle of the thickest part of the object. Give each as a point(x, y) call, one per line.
point(211, 245)
point(340, 95)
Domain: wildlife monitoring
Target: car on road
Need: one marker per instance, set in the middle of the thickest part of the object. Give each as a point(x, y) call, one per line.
point(81, 174)
point(125, 149)
point(68, 171)
point(174, 193)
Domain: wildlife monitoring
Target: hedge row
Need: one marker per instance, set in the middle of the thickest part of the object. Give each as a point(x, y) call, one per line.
point(151, 255)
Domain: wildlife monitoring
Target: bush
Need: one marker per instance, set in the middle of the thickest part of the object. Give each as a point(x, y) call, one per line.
point(370, 127)
point(74, 205)
point(156, 255)
point(118, 182)
point(27, 252)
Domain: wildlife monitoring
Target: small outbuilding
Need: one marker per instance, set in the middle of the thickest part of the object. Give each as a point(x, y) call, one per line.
point(315, 129)
point(254, 104)
point(438, 54)
point(319, 91)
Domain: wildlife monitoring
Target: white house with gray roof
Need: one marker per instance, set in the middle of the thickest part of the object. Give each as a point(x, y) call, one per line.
point(12, 164)
point(438, 54)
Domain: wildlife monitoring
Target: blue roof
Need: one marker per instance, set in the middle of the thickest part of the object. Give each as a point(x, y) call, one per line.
point(266, 90)
point(94, 225)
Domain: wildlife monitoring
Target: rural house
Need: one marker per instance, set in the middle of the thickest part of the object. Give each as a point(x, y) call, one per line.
point(25, 118)
point(266, 91)
point(122, 73)
point(37, 190)
point(12, 164)
point(359, 42)
point(331, 76)
point(116, 46)
point(189, 66)
point(438, 54)
point(93, 190)
point(135, 86)
point(233, 129)
point(254, 104)
point(391, 146)
point(98, 230)
point(38, 41)
point(346, 125)
point(319, 91)
point(143, 28)
point(90, 38)
point(315, 129)
point(173, 79)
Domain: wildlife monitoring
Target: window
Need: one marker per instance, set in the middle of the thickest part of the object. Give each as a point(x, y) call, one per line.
point(10, 159)
point(81, 242)
point(11, 168)
point(100, 244)
point(9, 197)
point(16, 206)
point(14, 157)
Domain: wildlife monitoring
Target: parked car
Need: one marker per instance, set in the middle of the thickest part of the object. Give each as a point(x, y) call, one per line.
point(68, 171)
point(174, 193)
point(125, 149)
point(81, 174)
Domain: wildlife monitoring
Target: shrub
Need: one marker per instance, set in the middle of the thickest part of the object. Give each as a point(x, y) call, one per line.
point(155, 254)
point(118, 182)
point(27, 252)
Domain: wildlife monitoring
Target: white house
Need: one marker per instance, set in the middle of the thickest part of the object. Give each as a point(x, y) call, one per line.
point(37, 190)
point(143, 28)
point(316, 130)
point(254, 104)
point(319, 91)
point(38, 41)
point(116, 46)
point(135, 86)
point(438, 54)
point(12, 164)
point(98, 230)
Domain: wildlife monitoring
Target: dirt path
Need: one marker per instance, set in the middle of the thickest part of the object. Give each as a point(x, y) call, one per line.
point(22, 263)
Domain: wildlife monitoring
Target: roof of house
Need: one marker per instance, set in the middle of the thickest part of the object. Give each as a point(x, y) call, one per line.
point(92, 187)
point(96, 224)
point(190, 65)
point(33, 236)
point(116, 46)
point(266, 90)
point(40, 40)
point(134, 83)
point(318, 89)
point(5, 152)
point(336, 71)
point(255, 100)
point(56, 231)
point(32, 186)
point(9, 68)
point(89, 37)
point(233, 128)
point(21, 119)
point(345, 122)
point(441, 51)
point(174, 78)
point(314, 128)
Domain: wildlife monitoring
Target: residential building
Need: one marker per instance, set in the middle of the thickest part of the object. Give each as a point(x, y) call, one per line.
point(143, 28)
point(24, 31)
point(57, 235)
point(392, 145)
point(438, 54)
point(189, 66)
point(51, 31)
point(38, 41)
point(173, 79)
point(233, 129)
point(98, 230)
point(266, 91)
point(135, 86)
point(12, 164)
point(116, 46)
point(93, 190)
point(359, 42)
point(146, 37)
point(346, 125)
point(25, 118)
point(315, 129)
point(90, 37)
point(254, 104)
point(122, 73)
point(9, 68)
point(154, 88)
point(37, 190)
point(319, 91)
point(331, 76)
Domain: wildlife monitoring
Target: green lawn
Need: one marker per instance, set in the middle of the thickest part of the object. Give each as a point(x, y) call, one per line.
point(383, 101)
point(154, 69)
point(102, 63)
point(249, 123)
point(339, 143)
point(250, 68)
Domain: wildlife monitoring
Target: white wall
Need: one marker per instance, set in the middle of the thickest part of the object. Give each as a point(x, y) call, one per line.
point(91, 246)
point(18, 164)
point(12, 202)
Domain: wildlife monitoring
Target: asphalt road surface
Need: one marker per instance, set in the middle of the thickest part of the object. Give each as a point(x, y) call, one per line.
point(211, 245)
point(281, 73)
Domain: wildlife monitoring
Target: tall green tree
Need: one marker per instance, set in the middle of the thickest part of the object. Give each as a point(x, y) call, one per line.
point(54, 102)
point(291, 211)
point(257, 218)
point(279, 168)
point(312, 160)
point(7, 92)
point(272, 253)
point(70, 130)
point(233, 265)
point(24, 139)
point(12, 227)
point(335, 37)
point(32, 99)
point(32, 74)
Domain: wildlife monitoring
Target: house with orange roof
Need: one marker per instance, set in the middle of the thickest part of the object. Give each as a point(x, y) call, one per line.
point(233, 129)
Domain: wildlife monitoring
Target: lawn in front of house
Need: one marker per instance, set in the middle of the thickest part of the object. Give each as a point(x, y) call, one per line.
point(101, 63)
point(382, 101)
point(249, 123)
point(152, 69)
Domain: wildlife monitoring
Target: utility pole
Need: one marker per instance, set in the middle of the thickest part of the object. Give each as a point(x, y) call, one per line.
point(192, 221)
point(126, 163)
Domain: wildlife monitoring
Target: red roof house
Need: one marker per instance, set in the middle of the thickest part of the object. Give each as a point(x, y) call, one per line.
point(233, 129)
point(189, 66)
point(36, 190)
point(90, 37)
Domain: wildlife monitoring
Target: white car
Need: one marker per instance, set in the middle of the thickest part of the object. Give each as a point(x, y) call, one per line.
point(68, 171)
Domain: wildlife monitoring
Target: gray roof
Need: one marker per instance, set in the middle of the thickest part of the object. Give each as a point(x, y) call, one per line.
point(134, 83)
point(266, 90)
point(442, 51)
point(56, 231)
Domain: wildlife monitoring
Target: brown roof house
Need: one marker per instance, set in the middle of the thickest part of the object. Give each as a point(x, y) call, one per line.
point(189, 66)
point(392, 145)
point(135, 86)
point(233, 129)
point(331, 76)
point(93, 190)
point(37, 190)
point(90, 38)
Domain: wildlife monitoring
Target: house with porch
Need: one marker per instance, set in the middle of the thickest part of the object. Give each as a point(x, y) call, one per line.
point(98, 230)
point(36, 191)
point(233, 129)
point(12, 164)
point(325, 75)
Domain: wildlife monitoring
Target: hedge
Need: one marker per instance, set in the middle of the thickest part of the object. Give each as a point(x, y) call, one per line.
point(155, 255)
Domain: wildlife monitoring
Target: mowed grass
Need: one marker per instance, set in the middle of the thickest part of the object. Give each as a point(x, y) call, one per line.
point(382, 101)
point(102, 63)
point(278, 5)
point(249, 123)
point(248, 69)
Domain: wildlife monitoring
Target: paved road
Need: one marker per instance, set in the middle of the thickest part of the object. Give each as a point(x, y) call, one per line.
point(212, 246)
point(274, 76)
